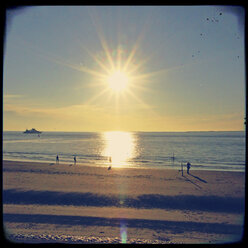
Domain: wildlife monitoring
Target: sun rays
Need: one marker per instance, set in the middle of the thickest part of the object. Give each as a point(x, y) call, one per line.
point(114, 72)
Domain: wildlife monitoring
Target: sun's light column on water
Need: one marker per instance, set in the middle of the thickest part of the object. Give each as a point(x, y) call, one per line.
point(120, 147)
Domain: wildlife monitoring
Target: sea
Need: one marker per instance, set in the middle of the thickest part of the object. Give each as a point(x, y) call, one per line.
point(223, 151)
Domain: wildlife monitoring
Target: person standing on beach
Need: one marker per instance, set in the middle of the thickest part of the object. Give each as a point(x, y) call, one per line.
point(181, 168)
point(188, 167)
point(173, 158)
point(75, 160)
point(57, 159)
point(110, 161)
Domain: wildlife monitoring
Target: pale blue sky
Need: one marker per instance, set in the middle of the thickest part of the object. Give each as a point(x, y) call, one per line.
point(195, 59)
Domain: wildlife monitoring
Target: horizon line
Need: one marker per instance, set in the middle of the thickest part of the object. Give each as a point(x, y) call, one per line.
point(131, 131)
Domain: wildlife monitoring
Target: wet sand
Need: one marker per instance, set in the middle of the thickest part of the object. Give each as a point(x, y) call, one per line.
point(45, 202)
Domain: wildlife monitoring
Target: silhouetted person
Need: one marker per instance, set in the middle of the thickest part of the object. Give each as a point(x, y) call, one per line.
point(188, 167)
point(110, 161)
point(173, 157)
point(57, 159)
point(75, 160)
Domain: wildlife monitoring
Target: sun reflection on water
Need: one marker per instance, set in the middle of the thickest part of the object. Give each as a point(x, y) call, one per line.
point(119, 147)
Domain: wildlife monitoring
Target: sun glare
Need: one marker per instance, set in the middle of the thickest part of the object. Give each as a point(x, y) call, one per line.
point(119, 146)
point(118, 81)
point(117, 72)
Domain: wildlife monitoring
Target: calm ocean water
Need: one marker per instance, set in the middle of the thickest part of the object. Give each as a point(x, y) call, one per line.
point(204, 150)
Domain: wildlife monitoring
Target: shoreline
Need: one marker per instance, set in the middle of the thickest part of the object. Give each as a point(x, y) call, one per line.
point(86, 204)
point(101, 165)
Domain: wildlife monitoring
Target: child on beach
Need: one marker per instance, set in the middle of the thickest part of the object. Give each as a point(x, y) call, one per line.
point(75, 160)
point(57, 159)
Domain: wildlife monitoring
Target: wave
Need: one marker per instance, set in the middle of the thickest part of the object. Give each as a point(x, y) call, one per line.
point(205, 150)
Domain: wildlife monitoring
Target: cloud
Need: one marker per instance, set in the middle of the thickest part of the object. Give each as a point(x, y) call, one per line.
point(12, 96)
point(72, 112)
point(86, 117)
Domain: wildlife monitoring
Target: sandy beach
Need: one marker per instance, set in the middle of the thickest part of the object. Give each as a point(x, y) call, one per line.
point(48, 202)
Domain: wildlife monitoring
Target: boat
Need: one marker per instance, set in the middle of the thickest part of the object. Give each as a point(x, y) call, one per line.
point(33, 130)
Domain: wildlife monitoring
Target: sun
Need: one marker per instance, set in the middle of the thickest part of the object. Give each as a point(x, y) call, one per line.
point(118, 81)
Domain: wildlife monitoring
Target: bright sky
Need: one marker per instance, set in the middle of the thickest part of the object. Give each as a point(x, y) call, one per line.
point(143, 68)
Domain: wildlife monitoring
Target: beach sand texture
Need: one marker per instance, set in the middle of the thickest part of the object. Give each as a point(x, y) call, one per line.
point(46, 202)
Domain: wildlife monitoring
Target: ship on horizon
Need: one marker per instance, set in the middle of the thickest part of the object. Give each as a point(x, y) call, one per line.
point(33, 130)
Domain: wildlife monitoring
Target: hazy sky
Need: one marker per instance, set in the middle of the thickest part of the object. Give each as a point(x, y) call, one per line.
point(184, 68)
